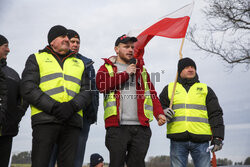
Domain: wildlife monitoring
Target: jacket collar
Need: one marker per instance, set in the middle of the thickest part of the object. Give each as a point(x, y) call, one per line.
point(49, 50)
point(3, 62)
point(188, 82)
point(112, 60)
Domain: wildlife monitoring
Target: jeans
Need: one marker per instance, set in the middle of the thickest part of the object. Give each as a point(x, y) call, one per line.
point(127, 143)
point(80, 148)
point(179, 154)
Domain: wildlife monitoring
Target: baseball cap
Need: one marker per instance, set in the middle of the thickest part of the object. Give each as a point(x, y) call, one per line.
point(124, 39)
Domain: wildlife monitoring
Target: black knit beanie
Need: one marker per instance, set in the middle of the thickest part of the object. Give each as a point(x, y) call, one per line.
point(95, 159)
point(73, 34)
point(185, 62)
point(3, 40)
point(55, 32)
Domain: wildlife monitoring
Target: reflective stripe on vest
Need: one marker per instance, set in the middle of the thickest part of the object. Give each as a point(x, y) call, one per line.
point(190, 110)
point(191, 119)
point(60, 84)
point(110, 106)
point(190, 106)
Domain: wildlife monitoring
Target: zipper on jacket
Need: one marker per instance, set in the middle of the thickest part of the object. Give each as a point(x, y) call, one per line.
point(89, 64)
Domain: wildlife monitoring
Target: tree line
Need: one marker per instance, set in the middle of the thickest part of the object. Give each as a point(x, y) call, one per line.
point(155, 161)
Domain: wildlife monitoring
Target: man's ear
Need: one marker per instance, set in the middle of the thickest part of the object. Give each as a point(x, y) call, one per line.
point(52, 43)
point(116, 49)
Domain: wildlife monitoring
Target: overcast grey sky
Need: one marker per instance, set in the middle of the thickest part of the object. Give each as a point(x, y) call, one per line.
point(26, 23)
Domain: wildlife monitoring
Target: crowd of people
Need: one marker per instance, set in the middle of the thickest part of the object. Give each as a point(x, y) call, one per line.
point(62, 89)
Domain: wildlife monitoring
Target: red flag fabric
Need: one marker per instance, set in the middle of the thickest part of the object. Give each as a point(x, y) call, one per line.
point(173, 25)
point(214, 163)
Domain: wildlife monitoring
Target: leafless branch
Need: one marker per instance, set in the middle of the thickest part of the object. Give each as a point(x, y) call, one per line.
point(227, 31)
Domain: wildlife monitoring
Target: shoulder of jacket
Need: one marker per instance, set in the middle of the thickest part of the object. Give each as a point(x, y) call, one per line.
point(11, 73)
point(83, 58)
point(111, 60)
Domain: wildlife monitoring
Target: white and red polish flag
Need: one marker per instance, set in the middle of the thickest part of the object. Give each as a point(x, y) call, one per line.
point(173, 25)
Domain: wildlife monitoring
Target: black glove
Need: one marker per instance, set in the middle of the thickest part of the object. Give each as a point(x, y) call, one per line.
point(169, 113)
point(217, 142)
point(55, 106)
point(63, 111)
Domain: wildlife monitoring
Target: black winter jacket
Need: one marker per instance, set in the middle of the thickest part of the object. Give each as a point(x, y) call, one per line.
point(3, 98)
point(33, 94)
point(213, 108)
point(91, 112)
point(16, 107)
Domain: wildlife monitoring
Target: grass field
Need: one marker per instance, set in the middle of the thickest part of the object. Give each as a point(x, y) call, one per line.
point(29, 165)
point(20, 165)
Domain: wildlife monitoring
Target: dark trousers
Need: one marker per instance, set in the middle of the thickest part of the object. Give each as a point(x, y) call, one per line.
point(45, 136)
point(82, 144)
point(128, 144)
point(80, 148)
point(5, 150)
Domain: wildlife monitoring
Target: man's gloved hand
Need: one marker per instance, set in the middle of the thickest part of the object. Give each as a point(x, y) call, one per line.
point(217, 142)
point(63, 111)
point(169, 113)
point(54, 108)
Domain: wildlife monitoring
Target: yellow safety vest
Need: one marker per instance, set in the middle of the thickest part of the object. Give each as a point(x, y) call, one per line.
point(190, 110)
point(60, 84)
point(110, 108)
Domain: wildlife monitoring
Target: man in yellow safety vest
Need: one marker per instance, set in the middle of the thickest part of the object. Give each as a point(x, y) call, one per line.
point(130, 102)
point(57, 88)
point(195, 118)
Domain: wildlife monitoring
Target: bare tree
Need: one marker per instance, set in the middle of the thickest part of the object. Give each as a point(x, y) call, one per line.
point(226, 33)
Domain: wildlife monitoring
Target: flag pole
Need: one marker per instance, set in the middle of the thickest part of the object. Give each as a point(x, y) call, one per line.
point(175, 82)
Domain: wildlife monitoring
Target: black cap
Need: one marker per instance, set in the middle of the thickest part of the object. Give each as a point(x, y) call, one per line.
point(3, 40)
point(185, 62)
point(95, 159)
point(55, 32)
point(124, 39)
point(73, 34)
